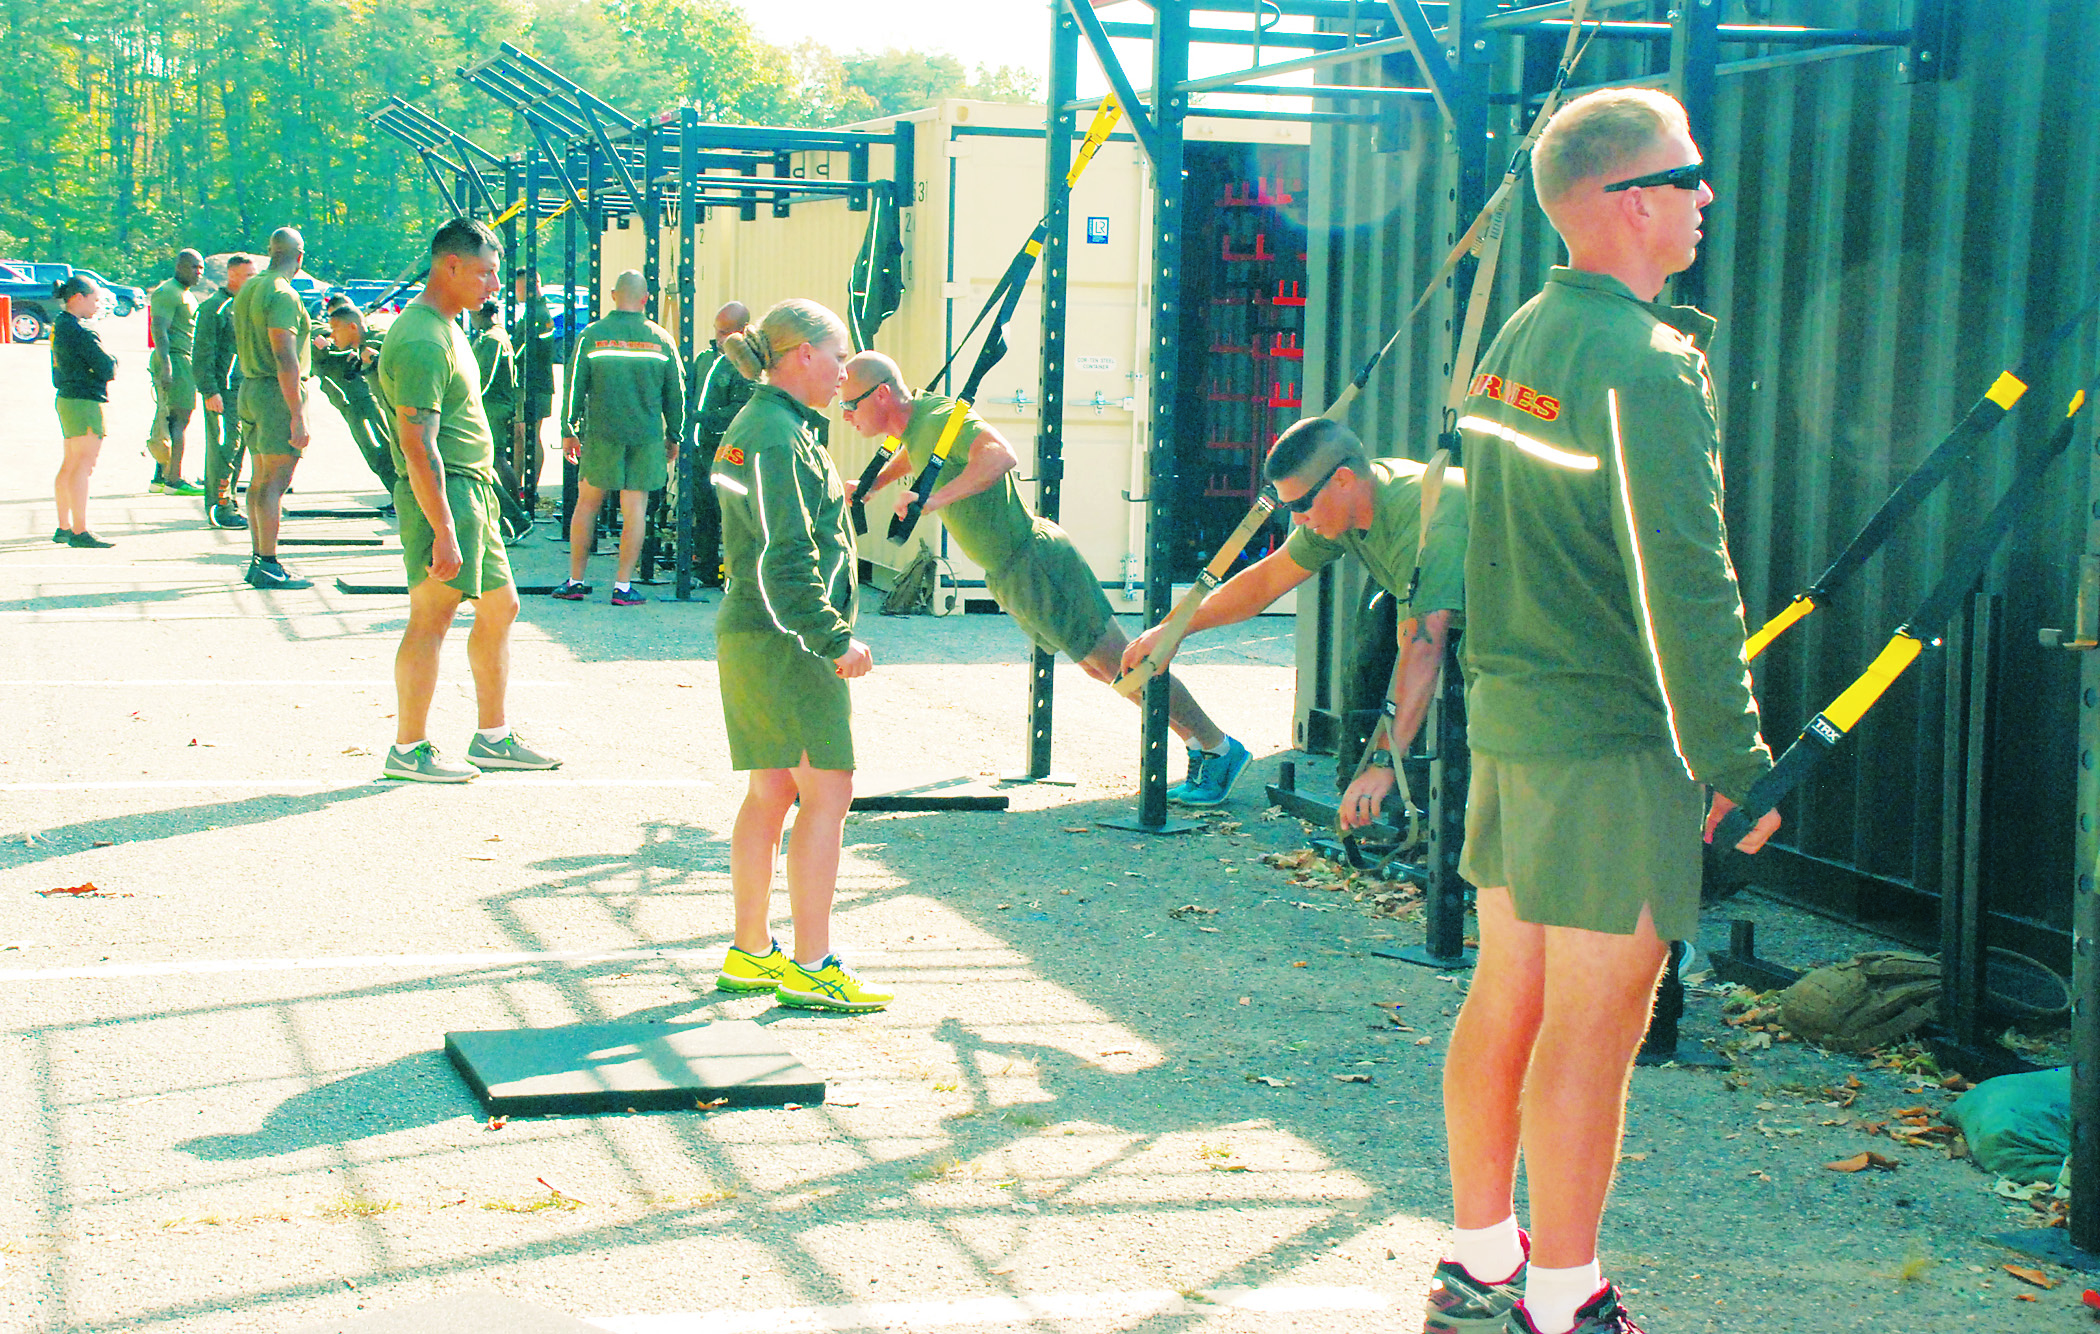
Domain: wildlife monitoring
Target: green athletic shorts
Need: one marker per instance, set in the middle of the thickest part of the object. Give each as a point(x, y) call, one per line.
point(1586, 842)
point(177, 395)
point(484, 564)
point(266, 423)
point(1052, 593)
point(79, 416)
point(610, 468)
point(782, 702)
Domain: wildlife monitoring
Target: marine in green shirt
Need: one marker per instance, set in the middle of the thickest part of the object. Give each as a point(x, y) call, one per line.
point(171, 311)
point(623, 417)
point(344, 363)
point(1032, 569)
point(1343, 502)
point(218, 373)
point(451, 539)
point(273, 336)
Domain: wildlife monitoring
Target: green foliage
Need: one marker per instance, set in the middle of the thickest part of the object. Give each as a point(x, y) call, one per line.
point(135, 127)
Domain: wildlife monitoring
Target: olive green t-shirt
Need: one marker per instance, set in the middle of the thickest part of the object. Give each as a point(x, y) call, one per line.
point(267, 301)
point(170, 303)
point(1388, 547)
point(992, 526)
point(425, 363)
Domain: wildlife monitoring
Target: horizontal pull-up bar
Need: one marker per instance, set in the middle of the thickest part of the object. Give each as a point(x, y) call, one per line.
point(1740, 33)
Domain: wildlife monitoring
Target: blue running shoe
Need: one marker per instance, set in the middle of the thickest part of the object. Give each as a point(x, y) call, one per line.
point(1213, 783)
point(1195, 771)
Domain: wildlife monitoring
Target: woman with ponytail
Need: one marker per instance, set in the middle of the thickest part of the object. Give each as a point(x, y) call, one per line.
point(81, 370)
point(784, 652)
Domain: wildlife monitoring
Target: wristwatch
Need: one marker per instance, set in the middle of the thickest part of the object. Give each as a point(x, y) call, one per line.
point(1381, 758)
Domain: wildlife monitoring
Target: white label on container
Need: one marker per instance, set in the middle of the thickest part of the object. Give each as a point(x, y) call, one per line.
point(1101, 364)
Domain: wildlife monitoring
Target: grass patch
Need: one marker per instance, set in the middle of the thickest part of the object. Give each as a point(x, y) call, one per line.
point(696, 1200)
point(947, 1169)
point(1027, 1120)
point(357, 1206)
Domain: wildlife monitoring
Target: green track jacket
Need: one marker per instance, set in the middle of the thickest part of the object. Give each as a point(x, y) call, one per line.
point(715, 391)
point(499, 377)
point(217, 368)
point(626, 384)
point(785, 536)
point(1604, 616)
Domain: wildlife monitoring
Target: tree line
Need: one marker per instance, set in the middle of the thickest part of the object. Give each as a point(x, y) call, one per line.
point(134, 127)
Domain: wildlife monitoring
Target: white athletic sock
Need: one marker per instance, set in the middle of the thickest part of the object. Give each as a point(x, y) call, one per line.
point(404, 747)
point(1220, 748)
point(492, 735)
point(624, 587)
point(1490, 1254)
point(818, 966)
point(1552, 1296)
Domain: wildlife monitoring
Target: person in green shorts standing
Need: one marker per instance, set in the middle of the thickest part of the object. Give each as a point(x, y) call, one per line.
point(451, 537)
point(343, 363)
point(1031, 568)
point(1343, 502)
point(1607, 684)
point(537, 351)
point(81, 369)
point(715, 392)
point(218, 369)
point(624, 413)
point(274, 336)
point(172, 313)
point(785, 649)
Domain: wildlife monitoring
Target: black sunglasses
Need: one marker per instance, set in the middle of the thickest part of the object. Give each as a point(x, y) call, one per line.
point(848, 404)
point(1684, 178)
point(1304, 503)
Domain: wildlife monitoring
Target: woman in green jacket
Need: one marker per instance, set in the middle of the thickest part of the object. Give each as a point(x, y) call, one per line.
point(81, 371)
point(785, 650)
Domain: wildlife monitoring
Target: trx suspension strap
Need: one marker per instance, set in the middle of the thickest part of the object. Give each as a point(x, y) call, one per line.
point(1486, 232)
point(1005, 296)
point(1830, 726)
point(1983, 415)
point(1382, 731)
point(1483, 237)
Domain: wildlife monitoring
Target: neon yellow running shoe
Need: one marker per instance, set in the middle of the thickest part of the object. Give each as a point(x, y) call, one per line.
point(829, 986)
point(745, 971)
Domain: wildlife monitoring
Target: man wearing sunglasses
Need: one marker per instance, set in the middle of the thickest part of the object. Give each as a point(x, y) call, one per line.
point(1607, 688)
point(1031, 568)
point(1343, 502)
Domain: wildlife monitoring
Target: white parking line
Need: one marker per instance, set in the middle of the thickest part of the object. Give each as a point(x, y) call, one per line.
point(229, 681)
point(508, 780)
point(1117, 1306)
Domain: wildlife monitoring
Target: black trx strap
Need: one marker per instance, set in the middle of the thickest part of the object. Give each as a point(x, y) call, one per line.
point(1005, 296)
point(1830, 726)
point(1952, 451)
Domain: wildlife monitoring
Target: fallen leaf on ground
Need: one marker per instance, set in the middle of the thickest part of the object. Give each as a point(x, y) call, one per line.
point(1271, 1080)
point(1860, 1162)
point(1633, 1157)
point(2025, 1275)
point(1354, 1079)
point(1298, 964)
point(1246, 1000)
point(551, 1190)
point(104, 843)
point(498, 1122)
point(1423, 1042)
point(1075, 829)
point(83, 891)
point(1188, 910)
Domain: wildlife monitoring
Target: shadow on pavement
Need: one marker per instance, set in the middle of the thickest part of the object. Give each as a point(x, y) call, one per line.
point(146, 826)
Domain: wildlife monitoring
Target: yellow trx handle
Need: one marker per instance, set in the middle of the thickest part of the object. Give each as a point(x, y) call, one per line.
point(1104, 123)
point(1778, 625)
point(1847, 709)
point(513, 211)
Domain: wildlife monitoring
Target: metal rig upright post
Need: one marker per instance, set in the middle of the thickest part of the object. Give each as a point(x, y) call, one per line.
point(1170, 69)
point(1058, 126)
point(689, 471)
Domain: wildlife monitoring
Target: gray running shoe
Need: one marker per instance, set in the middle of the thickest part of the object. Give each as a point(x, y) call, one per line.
point(423, 764)
point(1601, 1314)
point(509, 753)
point(1461, 1304)
point(270, 574)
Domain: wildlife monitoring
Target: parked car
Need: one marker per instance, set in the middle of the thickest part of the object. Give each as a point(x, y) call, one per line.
point(31, 307)
point(364, 291)
point(578, 304)
point(123, 297)
point(313, 293)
